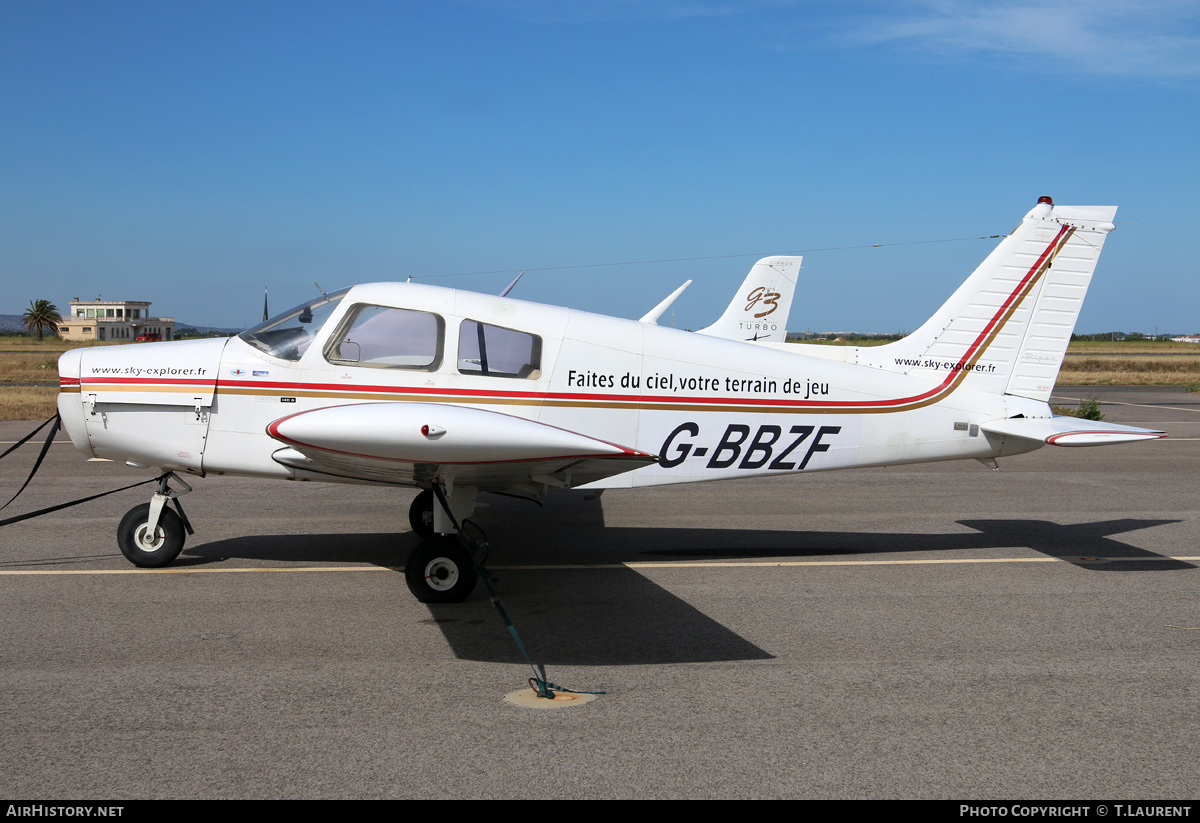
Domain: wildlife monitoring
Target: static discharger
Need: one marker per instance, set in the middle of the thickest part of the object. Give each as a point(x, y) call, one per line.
point(529, 699)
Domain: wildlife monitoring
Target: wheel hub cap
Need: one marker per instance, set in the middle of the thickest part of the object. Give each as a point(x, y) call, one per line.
point(146, 541)
point(441, 574)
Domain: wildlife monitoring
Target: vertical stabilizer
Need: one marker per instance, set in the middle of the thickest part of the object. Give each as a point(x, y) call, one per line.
point(1007, 327)
point(760, 308)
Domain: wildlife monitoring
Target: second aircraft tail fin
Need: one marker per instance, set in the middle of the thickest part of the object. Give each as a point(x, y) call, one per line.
point(760, 307)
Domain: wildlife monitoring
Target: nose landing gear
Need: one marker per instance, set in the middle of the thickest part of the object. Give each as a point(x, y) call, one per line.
point(151, 535)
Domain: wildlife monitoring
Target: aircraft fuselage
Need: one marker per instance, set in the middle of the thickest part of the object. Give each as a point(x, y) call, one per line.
point(708, 408)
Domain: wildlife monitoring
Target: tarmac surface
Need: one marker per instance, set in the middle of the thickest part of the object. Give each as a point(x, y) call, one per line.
point(930, 631)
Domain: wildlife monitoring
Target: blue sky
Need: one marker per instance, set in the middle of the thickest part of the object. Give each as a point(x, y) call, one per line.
point(189, 153)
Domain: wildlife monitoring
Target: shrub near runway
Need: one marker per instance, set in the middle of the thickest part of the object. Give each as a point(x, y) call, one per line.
point(26, 360)
point(1165, 370)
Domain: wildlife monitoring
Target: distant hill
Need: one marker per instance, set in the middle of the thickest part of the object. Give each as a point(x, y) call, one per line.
point(11, 322)
point(181, 326)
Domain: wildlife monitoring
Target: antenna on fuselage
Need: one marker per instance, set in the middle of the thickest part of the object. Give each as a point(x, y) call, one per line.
point(652, 316)
point(321, 290)
point(509, 287)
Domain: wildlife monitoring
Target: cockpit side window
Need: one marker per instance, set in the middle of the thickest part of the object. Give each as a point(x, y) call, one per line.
point(381, 337)
point(494, 351)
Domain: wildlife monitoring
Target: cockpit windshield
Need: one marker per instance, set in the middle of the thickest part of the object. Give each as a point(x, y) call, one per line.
point(288, 335)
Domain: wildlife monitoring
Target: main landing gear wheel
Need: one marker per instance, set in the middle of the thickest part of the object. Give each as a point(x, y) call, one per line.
point(440, 570)
point(144, 549)
point(420, 514)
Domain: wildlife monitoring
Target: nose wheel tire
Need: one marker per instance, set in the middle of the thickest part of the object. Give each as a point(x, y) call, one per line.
point(420, 514)
point(140, 547)
point(440, 570)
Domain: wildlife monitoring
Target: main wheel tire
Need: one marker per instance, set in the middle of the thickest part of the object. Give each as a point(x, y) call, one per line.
point(420, 514)
point(440, 570)
point(133, 534)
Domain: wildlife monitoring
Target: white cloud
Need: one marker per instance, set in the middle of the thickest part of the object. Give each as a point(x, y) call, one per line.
point(1100, 37)
point(1152, 38)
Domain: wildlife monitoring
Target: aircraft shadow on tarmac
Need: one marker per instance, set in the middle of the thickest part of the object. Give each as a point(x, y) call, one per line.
point(1087, 545)
point(612, 616)
point(616, 616)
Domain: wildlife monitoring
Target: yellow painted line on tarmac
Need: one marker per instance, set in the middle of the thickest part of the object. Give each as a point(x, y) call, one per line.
point(209, 571)
point(682, 564)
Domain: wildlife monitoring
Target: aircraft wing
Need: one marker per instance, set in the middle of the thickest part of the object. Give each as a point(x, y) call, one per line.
point(412, 443)
point(1069, 431)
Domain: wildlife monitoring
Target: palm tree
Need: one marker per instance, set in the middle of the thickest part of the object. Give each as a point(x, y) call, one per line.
point(42, 315)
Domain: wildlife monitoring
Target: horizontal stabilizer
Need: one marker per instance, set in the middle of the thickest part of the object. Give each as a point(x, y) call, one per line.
point(1070, 431)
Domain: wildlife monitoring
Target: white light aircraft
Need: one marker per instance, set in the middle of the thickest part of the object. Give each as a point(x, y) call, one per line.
point(456, 392)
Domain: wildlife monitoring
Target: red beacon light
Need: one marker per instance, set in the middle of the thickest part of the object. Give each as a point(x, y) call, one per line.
point(1049, 201)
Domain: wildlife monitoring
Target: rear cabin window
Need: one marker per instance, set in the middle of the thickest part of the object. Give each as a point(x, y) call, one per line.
point(494, 351)
point(380, 337)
